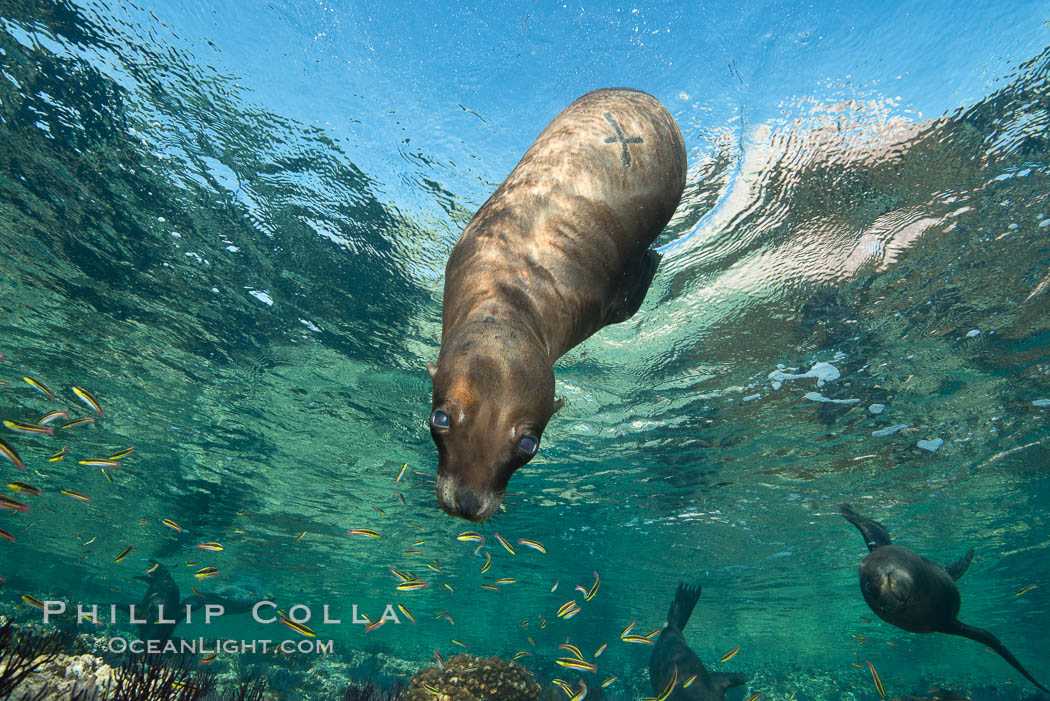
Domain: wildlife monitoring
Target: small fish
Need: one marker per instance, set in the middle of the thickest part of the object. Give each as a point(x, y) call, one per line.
point(753, 697)
point(75, 495)
point(378, 510)
point(298, 627)
point(411, 552)
point(470, 536)
point(153, 567)
point(6, 536)
point(216, 547)
point(441, 613)
point(99, 462)
point(488, 563)
point(123, 553)
point(1025, 590)
point(555, 587)
point(534, 544)
point(51, 416)
point(449, 619)
point(594, 588)
point(299, 537)
point(563, 685)
point(401, 497)
point(434, 567)
point(608, 681)
point(493, 587)
point(689, 682)
point(519, 655)
point(172, 525)
point(401, 473)
point(106, 473)
point(205, 572)
point(192, 564)
point(566, 606)
point(9, 452)
point(122, 453)
point(573, 649)
point(571, 613)
point(628, 629)
point(599, 651)
point(208, 659)
point(24, 487)
point(504, 543)
point(143, 522)
point(79, 422)
point(33, 601)
point(417, 543)
point(450, 587)
point(431, 689)
point(28, 428)
point(59, 455)
point(506, 580)
point(364, 532)
point(573, 663)
point(401, 575)
point(858, 665)
point(875, 677)
point(730, 655)
point(411, 585)
point(865, 619)
point(90, 541)
point(39, 386)
point(11, 505)
point(531, 641)
point(408, 615)
point(374, 624)
point(86, 397)
point(637, 639)
point(891, 643)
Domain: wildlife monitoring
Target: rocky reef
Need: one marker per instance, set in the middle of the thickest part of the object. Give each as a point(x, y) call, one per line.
point(467, 678)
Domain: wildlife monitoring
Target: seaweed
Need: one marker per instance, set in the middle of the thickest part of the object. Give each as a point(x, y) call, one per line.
point(22, 655)
point(156, 678)
point(251, 688)
point(368, 691)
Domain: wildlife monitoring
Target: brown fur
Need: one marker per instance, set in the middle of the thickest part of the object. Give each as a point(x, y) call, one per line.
point(557, 252)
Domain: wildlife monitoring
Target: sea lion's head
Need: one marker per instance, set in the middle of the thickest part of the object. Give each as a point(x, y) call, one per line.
point(887, 583)
point(487, 417)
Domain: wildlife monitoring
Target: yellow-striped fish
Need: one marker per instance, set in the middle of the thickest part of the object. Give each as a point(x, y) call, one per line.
point(470, 536)
point(431, 689)
point(519, 655)
point(434, 567)
point(39, 386)
point(28, 428)
point(462, 645)
point(9, 452)
point(33, 601)
point(401, 575)
point(378, 510)
point(506, 580)
point(450, 587)
point(1025, 590)
point(79, 422)
point(401, 473)
point(374, 624)
point(216, 547)
point(504, 543)
point(599, 651)
point(24, 487)
point(411, 585)
point(488, 563)
point(86, 397)
point(205, 572)
point(573, 663)
point(555, 587)
point(299, 537)
point(298, 627)
point(59, 455)
point(153, 567)
point(401, 498)
point(10, 504)
point(608, 681)
point(405, 611)
point(99, 462)
point(105, 472)
point(573, 649)
point(628, 629)
point(75, 495)
point(875, 677)
point(753, 697)
point(566, 606)
point(641, 639)
point(52, 416)
point(689, 682)
point(594, 588)
point(729, 655)
point(493, 587)
point(671, 684)
point(534, 544)
point(363, 531)
point(208, 659)
point(6, 536)
point(123, 553)
point(411, 552)
point(172, 525)
point(122, 453)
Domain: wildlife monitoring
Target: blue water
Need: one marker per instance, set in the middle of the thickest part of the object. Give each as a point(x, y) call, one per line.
point(229, 221)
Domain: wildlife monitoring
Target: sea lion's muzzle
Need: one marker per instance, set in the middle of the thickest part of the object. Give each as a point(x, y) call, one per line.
point(465, 502)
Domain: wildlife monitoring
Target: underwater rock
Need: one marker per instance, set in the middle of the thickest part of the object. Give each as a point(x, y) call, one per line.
point(467, 678)
point(58, 678)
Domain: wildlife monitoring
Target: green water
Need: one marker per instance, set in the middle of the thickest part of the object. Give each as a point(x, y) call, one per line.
point(254, 313)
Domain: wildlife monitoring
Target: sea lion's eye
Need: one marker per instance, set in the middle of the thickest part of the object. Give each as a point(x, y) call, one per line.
point(528, 445)
point(440, 420)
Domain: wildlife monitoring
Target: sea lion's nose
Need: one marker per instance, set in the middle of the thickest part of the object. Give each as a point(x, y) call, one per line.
point(468, 504)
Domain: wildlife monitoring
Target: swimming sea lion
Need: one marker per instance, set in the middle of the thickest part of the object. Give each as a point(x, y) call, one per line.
point(162, 591)
point(914, 593)
point(556, 253)
point(671, 652)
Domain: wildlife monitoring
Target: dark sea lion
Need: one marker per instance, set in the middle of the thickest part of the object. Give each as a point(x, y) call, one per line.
point(671, 651)
point(161, 591)
point(556, 253)
point(914, 593)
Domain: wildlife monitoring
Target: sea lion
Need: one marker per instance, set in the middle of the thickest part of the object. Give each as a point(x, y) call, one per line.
point(556, 253)
point(914, 593)
point(162, 591)
point(671, 652)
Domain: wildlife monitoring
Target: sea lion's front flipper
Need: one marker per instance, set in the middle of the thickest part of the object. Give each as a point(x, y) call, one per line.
point(983, 636)
point(724, 680)
point(875, 534)
point(958, 568)
point(634, 294)
point(682, 605)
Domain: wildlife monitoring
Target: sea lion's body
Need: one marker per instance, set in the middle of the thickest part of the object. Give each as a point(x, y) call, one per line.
point(161, 600)
point(671, 653)
point(556, 253)
point(916, 594)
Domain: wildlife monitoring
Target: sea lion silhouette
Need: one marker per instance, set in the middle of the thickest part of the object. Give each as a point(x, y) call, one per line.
point(671, 652)
point(559, 251)
point(914, 593)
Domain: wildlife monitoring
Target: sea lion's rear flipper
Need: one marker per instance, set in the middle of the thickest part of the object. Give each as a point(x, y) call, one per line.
point(983, 636)
point(634, 290)
point(721, 681)
point(682, 606)
point(958, 568)
point(875, 534)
